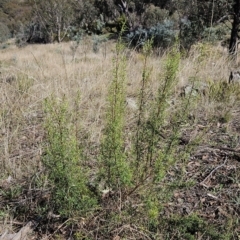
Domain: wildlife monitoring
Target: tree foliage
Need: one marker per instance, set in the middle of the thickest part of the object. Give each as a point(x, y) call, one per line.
point(14, 14)
point(50, 20)
point(55, 17)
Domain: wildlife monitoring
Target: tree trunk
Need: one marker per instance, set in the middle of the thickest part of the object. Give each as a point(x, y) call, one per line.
point(235, 26)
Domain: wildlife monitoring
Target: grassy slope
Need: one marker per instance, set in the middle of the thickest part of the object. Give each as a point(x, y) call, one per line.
point(29, 75)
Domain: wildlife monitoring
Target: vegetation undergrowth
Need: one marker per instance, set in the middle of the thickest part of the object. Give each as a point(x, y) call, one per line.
point(110, 170)
point(62, 160)
point(116, 168)
point(140, 170)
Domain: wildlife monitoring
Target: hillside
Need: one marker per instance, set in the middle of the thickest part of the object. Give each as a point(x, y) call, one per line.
point(118, 144)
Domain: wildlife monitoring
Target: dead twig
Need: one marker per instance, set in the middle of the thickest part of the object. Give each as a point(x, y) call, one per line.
point(132, 228)
point(211, 173)
point(48, 237)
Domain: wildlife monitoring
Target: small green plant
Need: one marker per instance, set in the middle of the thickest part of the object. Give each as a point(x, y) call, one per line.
point(62, 160)
point(152, 207)
point(12, 192)
point(187, 226)
point(3, 214)
point(115, 167)
point(157, 159)
point(224, 96)
point(192, 226)
point(159, 112)
point(219, 91)
point(24, 83)
point(140, 146)
point(155, 151)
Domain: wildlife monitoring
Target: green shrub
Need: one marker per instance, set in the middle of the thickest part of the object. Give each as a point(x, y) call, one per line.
point(4, 33)
point(191, 31)
point(163, 35)
point(63, 164)
point(140, 170)
point(115, 166)
point(154, 15)
point(216, 33)
point(150, 160)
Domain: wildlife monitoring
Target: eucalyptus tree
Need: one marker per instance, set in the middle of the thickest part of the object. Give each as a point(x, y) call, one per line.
point(235, 27)
point(54, 16)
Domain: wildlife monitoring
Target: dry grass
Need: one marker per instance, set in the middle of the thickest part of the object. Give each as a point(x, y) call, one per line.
point(31, 74)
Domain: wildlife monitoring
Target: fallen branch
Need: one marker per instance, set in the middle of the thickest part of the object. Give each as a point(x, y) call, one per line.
point(68, 220)
point(211, 173)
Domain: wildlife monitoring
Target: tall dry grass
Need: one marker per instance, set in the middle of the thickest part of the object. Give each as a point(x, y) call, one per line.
point(31, 74)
